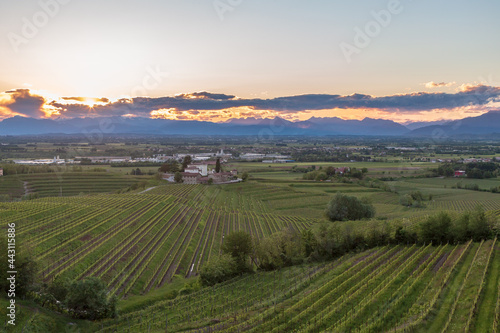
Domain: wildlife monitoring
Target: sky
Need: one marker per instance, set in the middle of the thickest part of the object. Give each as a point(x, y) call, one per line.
point(407, 60)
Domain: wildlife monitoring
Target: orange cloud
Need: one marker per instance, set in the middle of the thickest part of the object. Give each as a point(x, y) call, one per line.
point(433, 84)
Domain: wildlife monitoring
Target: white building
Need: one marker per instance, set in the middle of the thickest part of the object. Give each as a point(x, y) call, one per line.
point(200, 168)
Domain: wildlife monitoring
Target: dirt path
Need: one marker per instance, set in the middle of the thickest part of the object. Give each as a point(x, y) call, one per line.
point(148, 189)
point(26, 189)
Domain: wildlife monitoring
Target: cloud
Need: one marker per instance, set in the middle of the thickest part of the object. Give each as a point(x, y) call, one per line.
point(22, 102)
point(433, 84)
point(204, 104)
point(87, 99)
point(206, 95)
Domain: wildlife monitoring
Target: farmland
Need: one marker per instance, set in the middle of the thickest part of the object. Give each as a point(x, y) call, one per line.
point(138, 242)
point(391, 288)
point(148, 241)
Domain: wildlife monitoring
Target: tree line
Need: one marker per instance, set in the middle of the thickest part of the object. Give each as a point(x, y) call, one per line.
point(242, 253)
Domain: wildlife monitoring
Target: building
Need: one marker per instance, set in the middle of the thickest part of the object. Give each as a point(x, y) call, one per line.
point(190, 178)
point(107, 159)
point(1, 172)
point(202, 168)
point(342, 170)
point(460, 173)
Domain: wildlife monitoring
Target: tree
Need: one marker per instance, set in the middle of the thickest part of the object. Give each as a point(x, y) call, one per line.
point(178, 177)
point(87, 299)
point(217, 166)
point(480, 227)
point(280, 249)
point(244, 176)
point(436, 229)
point(217, 270)
point(330, 171)
point(238, 244)
point(343, 207)
point(186, 161)
point(406, 200)
point(210, 181)
point(26, 268)
point(171, 166)
point(55, 293)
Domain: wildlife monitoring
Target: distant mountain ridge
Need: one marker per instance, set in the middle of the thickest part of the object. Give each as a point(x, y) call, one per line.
point(484, 124)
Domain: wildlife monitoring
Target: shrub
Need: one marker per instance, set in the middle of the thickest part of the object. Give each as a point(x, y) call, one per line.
point(218, 270)
point(238, 245)
point(87, 299)
point(343, 207)
point(436, 228)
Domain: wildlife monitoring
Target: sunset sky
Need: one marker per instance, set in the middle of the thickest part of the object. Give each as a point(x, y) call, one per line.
point(216, 59)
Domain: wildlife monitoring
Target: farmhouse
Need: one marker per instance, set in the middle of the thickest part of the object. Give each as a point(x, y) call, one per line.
point(342, 170)
point(459, 173)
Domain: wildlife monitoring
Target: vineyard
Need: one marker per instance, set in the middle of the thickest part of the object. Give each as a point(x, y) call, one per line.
point(138, 242)
point(75, 183)
point(446, 288)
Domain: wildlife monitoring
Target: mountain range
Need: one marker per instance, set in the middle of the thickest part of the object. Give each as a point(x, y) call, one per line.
point(485, 124)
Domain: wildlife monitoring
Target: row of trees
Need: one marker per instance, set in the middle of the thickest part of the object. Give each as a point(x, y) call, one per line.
point(242, 253)
point(477, 170)
point(330, 172)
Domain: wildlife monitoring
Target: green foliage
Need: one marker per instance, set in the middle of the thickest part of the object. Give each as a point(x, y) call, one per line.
point(171, 166)
point(343, 207)
point(445, 169)
point(217, 166)
point(355, 173)
point(186, 161)
point(238, 245)
point(244, 176)
point(279, 250)
point(436, 229)
point(178, 177)
point(190, 287)
point(330, 171)
point(87, 299)
point(406, 200)
point(218, 269)
point(414, 199)
point(59, 288)
point(469, 225)
point(26, 268)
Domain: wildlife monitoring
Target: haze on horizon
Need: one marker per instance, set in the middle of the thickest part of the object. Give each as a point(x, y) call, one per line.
point(220, 59)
